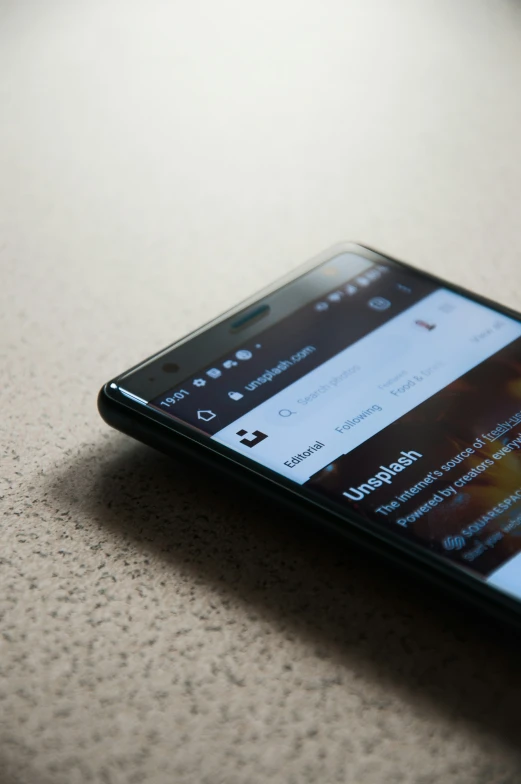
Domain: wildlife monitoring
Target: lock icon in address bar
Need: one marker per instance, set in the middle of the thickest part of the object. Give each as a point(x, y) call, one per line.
point(235, 395)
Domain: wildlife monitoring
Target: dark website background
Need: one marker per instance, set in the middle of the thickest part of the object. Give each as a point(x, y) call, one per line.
point(462, 497)
point(469, 439)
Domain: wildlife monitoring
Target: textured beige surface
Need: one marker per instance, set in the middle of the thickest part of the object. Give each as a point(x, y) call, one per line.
point(159, 160)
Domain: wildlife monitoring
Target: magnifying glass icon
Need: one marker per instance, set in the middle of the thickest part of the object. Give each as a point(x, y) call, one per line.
point(286, 412)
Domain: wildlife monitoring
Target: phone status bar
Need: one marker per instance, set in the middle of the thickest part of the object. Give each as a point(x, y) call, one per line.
point(355, 286)
point(212, 373)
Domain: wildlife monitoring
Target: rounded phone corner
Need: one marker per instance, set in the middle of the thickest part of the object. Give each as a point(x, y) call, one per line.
point(105, 402)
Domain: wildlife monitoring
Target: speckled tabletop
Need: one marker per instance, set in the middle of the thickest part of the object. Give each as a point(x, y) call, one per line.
point(157, 162)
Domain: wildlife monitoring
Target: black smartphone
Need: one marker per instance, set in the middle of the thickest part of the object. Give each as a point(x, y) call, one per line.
point(376, 399)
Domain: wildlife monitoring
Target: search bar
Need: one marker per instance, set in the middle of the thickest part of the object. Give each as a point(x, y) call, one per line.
point(369, 357)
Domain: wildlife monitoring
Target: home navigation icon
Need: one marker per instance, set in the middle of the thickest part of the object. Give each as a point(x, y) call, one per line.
point(206, 416)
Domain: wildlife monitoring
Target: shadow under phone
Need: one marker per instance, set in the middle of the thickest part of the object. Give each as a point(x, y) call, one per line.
point(346, 605)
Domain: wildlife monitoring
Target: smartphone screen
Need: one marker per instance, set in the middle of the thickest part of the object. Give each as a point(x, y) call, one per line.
point(390, 395)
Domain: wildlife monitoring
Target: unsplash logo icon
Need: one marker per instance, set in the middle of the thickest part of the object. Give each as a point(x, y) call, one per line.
point(251, 442)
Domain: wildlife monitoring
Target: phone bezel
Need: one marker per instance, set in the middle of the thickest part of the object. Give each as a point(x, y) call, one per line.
point(172, 436)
